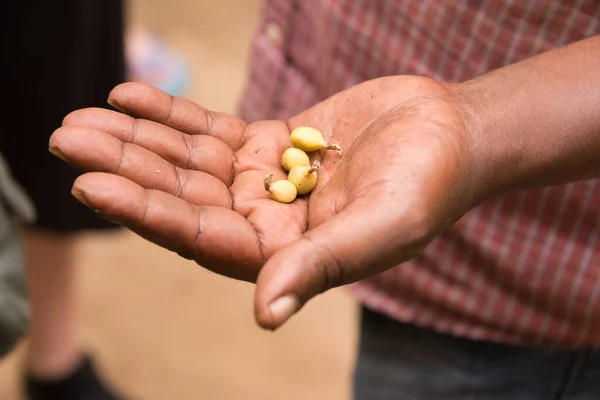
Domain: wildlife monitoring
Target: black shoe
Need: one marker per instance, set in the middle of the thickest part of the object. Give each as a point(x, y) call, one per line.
point(81, 384)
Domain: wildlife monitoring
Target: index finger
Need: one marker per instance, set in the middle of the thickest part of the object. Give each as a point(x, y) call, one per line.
point(144, 101)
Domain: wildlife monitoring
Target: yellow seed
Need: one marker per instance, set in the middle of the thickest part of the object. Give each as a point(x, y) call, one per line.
point(282, 191)
point(311, 139)
point(304, 178)
point(294, 157)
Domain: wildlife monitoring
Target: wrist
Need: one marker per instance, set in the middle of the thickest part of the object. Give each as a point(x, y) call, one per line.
point(534, 123)
point(492, 152)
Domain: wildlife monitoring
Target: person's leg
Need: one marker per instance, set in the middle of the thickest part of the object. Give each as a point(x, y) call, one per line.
point(57, 366)
point(400, 361)
point(50, 270)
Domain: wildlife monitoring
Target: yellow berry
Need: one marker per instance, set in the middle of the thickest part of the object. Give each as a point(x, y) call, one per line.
point(304, 178)
point(294, 157)
point(311, 139)
point(282, 191)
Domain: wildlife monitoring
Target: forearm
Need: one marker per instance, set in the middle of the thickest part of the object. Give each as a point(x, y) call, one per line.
point(537, 122)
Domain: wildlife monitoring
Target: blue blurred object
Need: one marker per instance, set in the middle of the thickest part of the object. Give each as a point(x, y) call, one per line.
point(150, 60)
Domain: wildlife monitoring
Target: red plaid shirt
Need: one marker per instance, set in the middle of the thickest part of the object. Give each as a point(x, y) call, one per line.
point(524, 268)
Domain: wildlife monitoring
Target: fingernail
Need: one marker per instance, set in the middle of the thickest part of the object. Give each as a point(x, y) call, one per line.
point(112, 102)
point(283, 308)
point(80, 195)
point(108, 219)
point(56, 151)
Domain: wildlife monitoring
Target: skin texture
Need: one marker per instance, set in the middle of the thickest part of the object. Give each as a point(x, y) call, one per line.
point(417, 155)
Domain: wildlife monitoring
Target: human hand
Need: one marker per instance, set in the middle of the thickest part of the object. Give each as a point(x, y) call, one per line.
point(191, 180)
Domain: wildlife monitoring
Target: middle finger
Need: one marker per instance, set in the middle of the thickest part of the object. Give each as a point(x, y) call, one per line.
point(94, 150)
point(195, 152)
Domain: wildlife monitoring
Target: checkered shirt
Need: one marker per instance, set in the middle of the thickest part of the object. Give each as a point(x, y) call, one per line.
point(523, 268)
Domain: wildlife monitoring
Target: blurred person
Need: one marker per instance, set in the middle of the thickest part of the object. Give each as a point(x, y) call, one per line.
point(15, 209)
point(463, 213)
point(63, 56)
point(57, 57)
point(47, 376)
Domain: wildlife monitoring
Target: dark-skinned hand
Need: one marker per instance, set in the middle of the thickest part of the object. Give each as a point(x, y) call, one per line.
point(191, 180)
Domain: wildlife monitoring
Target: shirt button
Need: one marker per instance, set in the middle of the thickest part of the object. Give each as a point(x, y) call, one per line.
point(274, 34)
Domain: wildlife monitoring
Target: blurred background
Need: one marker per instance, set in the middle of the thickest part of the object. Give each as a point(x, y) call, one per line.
point(160, 326)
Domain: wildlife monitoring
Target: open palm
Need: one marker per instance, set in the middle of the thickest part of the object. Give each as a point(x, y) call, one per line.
point(191, 180)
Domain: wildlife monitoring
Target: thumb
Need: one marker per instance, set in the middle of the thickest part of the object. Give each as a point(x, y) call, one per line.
point(350, 246)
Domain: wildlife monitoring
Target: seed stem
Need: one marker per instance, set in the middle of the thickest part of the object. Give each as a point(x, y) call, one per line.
point(315, 167)
point(335, 147)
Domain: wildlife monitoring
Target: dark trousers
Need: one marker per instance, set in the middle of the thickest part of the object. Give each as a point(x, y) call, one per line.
point(57, 56)
point(402, 362)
